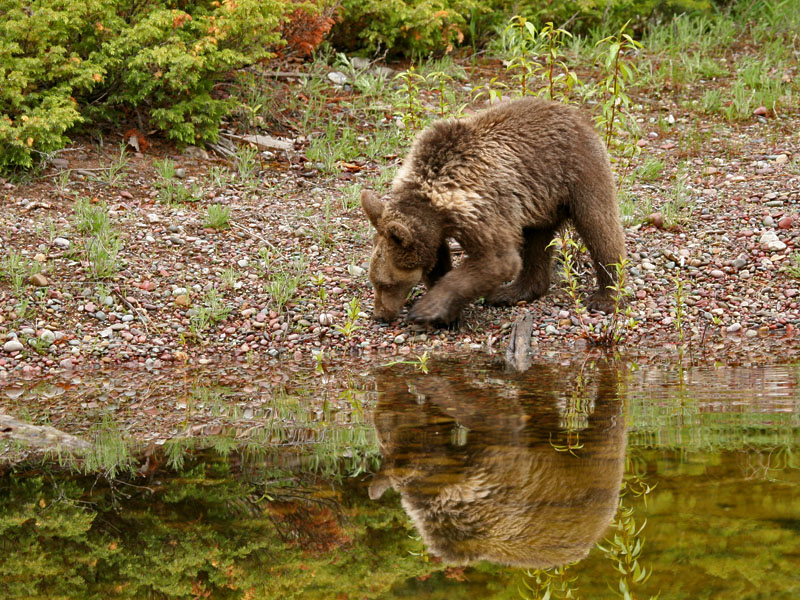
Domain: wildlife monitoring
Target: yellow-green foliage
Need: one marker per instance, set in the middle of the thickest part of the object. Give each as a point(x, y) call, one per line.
point(403, 26)
point(422, 26)
point(67, 61)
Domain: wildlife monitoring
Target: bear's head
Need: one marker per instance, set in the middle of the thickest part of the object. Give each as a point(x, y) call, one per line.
point(404, 252)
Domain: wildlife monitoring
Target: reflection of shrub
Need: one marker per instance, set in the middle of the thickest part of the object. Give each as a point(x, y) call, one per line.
point(63, 63)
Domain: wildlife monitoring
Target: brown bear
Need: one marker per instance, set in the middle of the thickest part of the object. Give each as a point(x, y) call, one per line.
point(501, 183)
point(481, 463)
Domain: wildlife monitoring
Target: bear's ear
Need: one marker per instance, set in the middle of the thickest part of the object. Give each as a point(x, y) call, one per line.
point(400, 234)
point(372, 205)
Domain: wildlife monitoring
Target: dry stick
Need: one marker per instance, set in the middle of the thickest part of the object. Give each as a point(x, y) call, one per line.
point(139, 312)
point(252, 233)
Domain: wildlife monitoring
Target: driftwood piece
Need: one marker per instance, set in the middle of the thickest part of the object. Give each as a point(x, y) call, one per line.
point(264, 142)
point(42, 437)
point(518, 352)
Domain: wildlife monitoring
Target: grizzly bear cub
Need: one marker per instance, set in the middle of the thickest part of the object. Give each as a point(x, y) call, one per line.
point(501, 183)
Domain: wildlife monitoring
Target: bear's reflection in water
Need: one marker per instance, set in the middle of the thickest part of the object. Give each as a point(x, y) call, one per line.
point(499, 467)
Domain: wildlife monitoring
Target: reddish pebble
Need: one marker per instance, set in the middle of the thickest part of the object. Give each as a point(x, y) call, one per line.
point(761, 111)
point(656, 219)
point(786, 222)
point(641, 294)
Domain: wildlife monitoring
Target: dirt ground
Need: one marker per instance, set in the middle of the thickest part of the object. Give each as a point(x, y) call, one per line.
point(713, 282)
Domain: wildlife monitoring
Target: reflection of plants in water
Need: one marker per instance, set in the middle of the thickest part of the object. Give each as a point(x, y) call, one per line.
point(625, 546)
point(624, 550)
point(110, 455)
point(419, 362)
point(762, 465)
point(547, 584)
point(572, 444)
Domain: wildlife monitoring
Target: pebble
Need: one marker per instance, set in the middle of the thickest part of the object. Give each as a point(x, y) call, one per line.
point(734, 328)
point(769, 241)
point(550, 330)
point(355, 270)
point(337, 77)
point(61, 242)
point(39, 280)
point(769, 221)
point(326, 319)
point(182, 300)
point(739, 263)
point(47, 336)
point(400, 339)
point(656, 219)
point(13, 346)
point(786, 222)
point(717, 274)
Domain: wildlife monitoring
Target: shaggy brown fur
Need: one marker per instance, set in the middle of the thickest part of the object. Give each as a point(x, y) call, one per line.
point(501, 183)
point(501, 491)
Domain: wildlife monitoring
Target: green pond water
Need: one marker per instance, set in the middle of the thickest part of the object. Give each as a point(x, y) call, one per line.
point(582, 479)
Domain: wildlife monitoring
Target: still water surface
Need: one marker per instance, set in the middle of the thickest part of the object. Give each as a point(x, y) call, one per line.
point(582, 480)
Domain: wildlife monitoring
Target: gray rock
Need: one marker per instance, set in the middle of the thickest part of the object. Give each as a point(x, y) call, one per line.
point(337, 77)
point(355, 270)
point(47, 336)
point(739, 263)
point(61, 242)
point(13, 346)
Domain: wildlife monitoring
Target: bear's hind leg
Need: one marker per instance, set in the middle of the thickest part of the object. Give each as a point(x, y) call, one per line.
point(600, 229)
point(533, 280)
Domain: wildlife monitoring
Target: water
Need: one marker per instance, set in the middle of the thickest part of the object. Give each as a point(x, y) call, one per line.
point(581, 477)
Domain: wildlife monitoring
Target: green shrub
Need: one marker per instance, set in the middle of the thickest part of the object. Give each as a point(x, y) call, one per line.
point(67, 61)
point(403, 26)
point(420, 27)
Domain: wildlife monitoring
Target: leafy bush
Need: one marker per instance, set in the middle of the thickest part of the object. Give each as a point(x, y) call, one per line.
point(67, 61)
point(420, 27)
point(403, 26)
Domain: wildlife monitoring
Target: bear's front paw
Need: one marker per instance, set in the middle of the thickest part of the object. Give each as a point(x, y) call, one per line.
point(433, 310)
point(505, 295)
point(601, 302)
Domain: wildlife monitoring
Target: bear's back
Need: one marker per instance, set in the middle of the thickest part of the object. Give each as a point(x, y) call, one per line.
point(527, 147)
